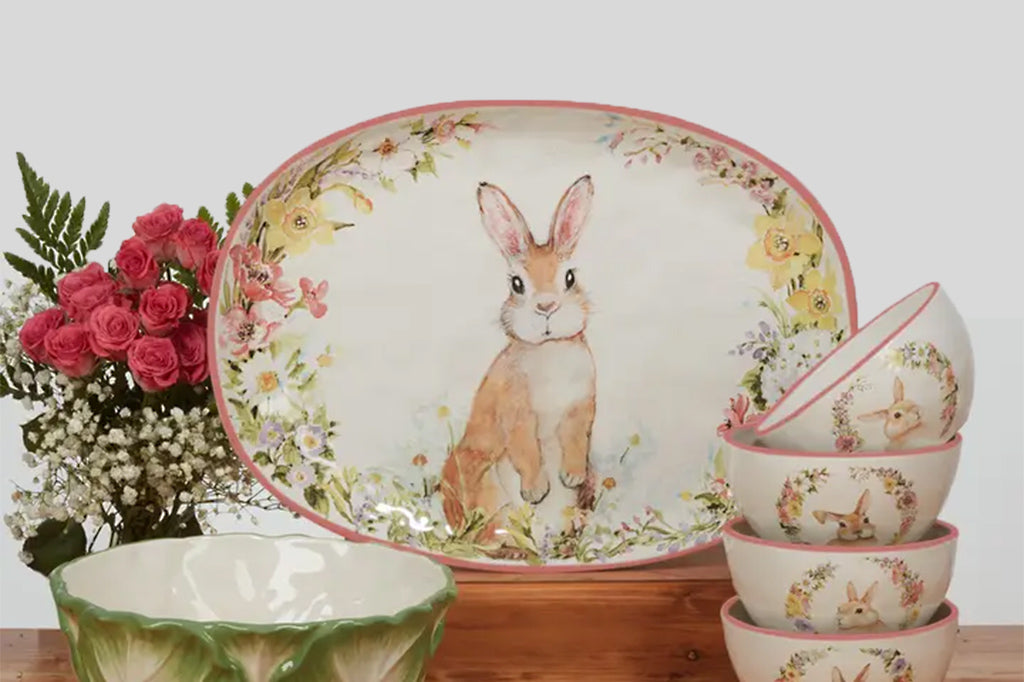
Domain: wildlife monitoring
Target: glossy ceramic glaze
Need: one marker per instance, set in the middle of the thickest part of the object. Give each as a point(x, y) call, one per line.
point(249, 608)
point(853, 589)
point(919, 655)
point(904, 381)
point(802, 497)
point(505, 333)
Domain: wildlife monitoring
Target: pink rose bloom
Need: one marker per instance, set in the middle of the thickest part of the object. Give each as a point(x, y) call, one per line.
point(84, 301)
point(260, 281)
point(718, 154)
point(157, 229)
point(193, 240)
point(245, 331)
point(190, 343)
point(138, 268)
point(163, 307)
point(35, 330)
point(69, 351)
point(112, 329)
point(207, 270)
point(701, 161)
point(76, 280)
point(154, 363)
point(199, 316)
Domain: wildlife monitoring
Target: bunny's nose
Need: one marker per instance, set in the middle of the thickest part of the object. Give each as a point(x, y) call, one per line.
point(547, 307)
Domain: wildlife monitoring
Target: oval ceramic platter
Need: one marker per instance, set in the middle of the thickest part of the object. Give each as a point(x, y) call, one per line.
point(508, 334)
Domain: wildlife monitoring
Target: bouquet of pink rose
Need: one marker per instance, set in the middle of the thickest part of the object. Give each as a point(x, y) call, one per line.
point(128, 439)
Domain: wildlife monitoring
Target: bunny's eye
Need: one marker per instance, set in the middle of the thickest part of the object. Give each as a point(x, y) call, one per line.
point(842, 524)
point(570, 279)
point(867, 520)
point(897, 415)
point(517, 284)
point(858, 610)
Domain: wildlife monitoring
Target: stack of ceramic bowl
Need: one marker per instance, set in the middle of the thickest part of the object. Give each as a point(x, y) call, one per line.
point(839, 561)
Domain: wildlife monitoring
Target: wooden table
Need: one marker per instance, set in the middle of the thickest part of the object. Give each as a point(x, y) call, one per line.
point(638, 625)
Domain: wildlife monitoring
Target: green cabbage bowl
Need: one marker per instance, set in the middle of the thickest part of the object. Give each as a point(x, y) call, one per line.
point(251, 608)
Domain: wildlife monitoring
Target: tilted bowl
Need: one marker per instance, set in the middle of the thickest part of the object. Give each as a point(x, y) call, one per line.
point(823, 498)
point(905, 380)
point(859, 589)
point(760, 654)
point(250, 608)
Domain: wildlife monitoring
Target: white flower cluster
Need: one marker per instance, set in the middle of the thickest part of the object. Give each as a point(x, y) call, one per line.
point(17, 304)
point(795, 356)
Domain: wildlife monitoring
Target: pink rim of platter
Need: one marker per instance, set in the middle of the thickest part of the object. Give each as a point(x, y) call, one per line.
point(509, 334)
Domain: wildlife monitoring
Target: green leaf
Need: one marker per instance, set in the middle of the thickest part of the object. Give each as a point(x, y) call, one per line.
point(387, 183)
point(74, 231)
point(231, 206)
point(316, 499)
point(55, 543)
point(247, 190)
point(98, 230)
point(42, 276)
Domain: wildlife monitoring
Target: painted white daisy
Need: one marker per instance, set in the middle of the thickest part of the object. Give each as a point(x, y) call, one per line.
point(310, 439)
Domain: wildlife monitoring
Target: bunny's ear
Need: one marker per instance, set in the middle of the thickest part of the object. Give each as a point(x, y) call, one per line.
point(503, 222)
point(863, 502)
point(851, 592)
point(821, 516)
point(874, 416)
point(570, 216)
point(837, 675)
point(870, 593)
point(897, 389)
point(862, 676)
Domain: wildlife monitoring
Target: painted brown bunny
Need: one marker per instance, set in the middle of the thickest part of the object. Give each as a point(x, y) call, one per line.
point(536, 402)
point(902, 417)
point(853, 528)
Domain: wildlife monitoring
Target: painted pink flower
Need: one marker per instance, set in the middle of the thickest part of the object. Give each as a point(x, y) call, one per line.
point(948, 412)
point(749, 168)
point(736, 414)
point(763, 193)
point(950, 378)
point(846, 443)
point(718, 154)
point(444, 129)
point(245, 331)
point(260, 281)
point(701, 161)
point(314, 296)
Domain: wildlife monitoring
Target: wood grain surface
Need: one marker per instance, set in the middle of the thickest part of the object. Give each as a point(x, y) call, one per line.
point(632, 625)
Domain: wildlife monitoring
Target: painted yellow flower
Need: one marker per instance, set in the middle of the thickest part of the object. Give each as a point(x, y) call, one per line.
point(794, 508)
point(294, 224)
point(634, 440)
point(569, 513)
point(818, 303)
point(443, 412)
point(686, 495)
point(325, 360)
point(608, 483)
point(889, 484)
point(794, 605)
point(784, 245)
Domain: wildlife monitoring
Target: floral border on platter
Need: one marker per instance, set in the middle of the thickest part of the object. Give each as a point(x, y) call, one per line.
point(269, 377)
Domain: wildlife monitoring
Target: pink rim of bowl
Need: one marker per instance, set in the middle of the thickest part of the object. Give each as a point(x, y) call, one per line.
point(730, 438)
point(726, 614)
point(243, 212)
point(952, 534)
point(778, 416)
